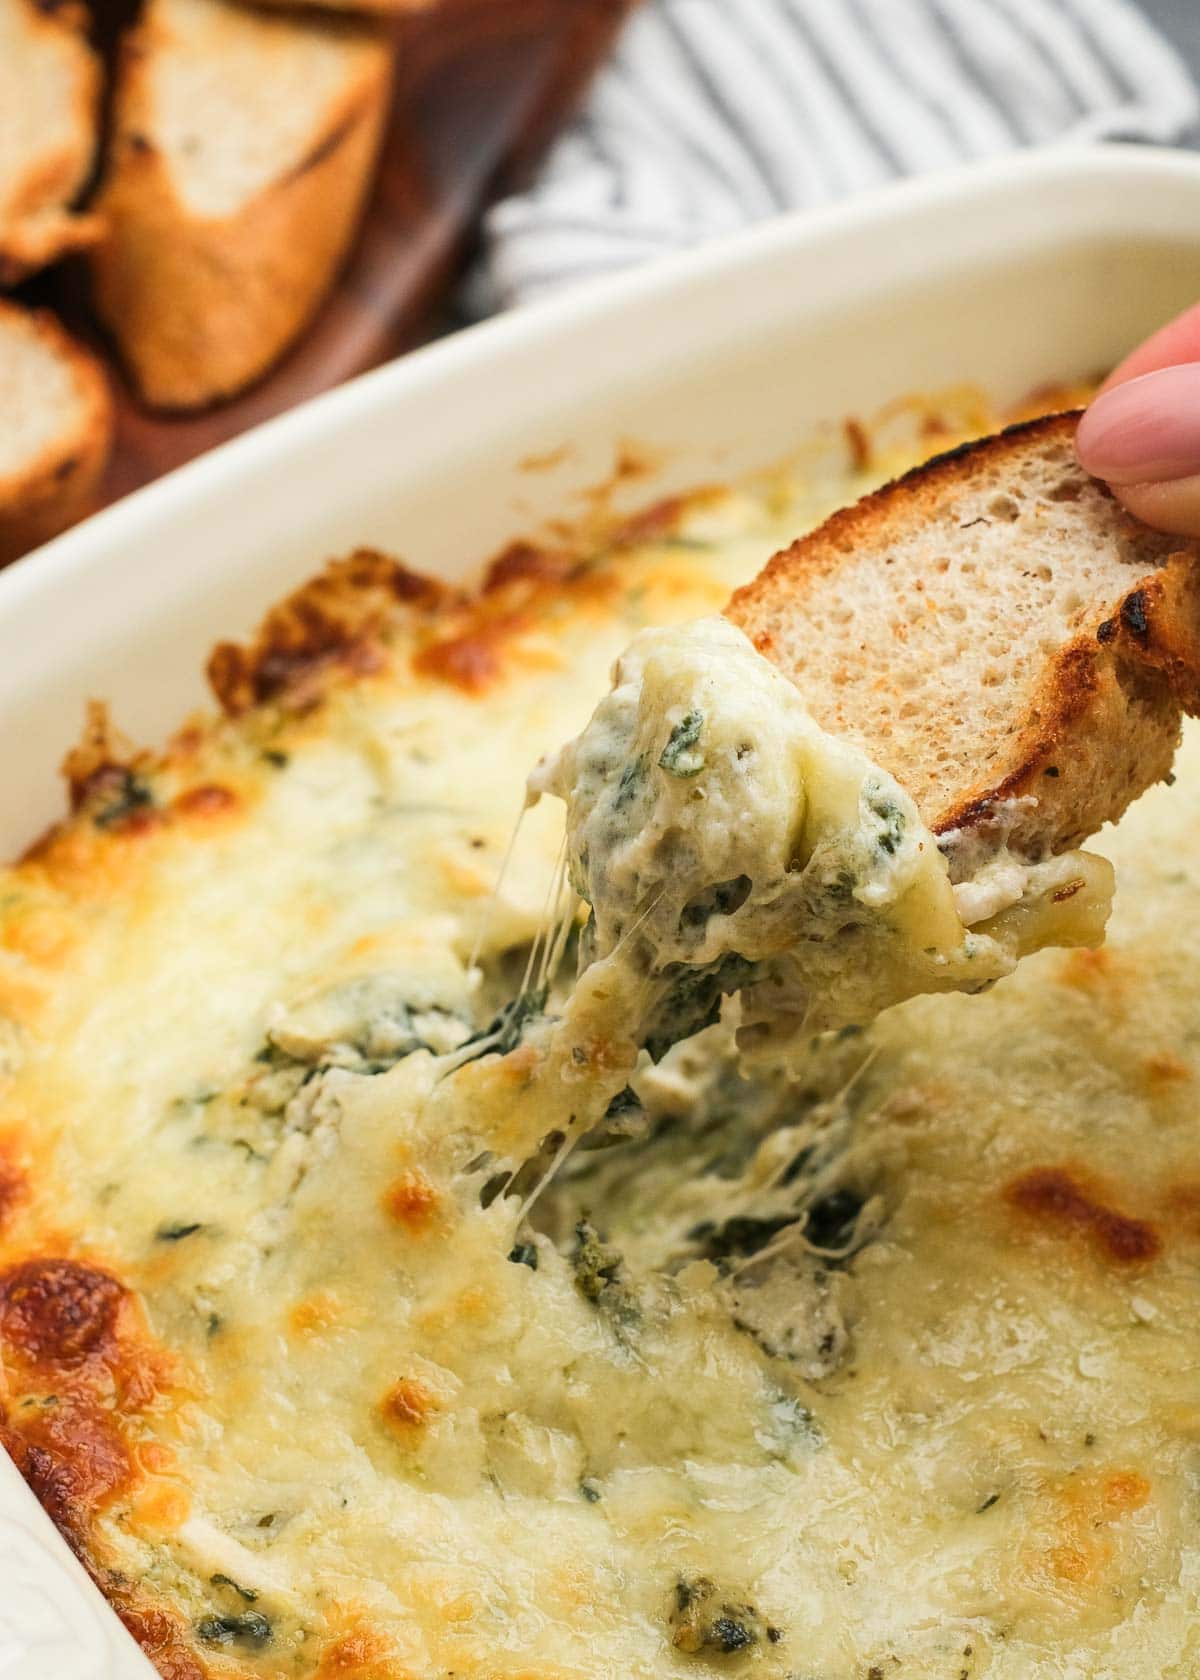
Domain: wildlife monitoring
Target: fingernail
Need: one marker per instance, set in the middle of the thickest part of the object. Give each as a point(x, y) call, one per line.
point(1145, 430)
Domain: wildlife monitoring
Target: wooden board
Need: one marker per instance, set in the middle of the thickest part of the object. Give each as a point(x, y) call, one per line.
point(481, 88)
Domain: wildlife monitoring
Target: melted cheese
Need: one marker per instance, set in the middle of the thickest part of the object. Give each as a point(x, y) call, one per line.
point(726, 843)
point(883, 1366)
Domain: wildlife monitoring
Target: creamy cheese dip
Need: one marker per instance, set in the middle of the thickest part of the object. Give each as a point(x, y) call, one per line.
point(725, 843)
point(877, 1363)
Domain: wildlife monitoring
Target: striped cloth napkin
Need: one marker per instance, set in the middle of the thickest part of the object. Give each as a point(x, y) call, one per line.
point(715, 113)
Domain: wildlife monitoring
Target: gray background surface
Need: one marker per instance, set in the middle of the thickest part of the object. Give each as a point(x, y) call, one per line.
point(1180, 19)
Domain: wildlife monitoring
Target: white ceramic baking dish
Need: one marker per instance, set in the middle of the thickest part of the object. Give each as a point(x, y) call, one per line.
point(1008, 274)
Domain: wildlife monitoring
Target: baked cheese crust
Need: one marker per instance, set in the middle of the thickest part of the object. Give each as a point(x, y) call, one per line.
point(330, 1362)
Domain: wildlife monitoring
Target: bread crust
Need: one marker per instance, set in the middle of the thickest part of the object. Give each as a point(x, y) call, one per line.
point(200, 306)
point(1103, 721)
point(57, 486)
point(37, 223)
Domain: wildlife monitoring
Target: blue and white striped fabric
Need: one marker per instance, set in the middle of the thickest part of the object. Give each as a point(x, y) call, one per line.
point(714, 113)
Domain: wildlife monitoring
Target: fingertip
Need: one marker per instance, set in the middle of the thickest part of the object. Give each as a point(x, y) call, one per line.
point(1090, 435)
point(1146, 430)
point(1172, 505)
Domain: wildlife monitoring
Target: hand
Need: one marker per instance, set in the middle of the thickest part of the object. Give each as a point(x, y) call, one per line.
point(1142, 431)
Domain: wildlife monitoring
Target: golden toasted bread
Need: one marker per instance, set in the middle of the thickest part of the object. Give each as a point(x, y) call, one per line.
point(57, 431)
point(49, 96)
point(243, 147)
point(991, 628)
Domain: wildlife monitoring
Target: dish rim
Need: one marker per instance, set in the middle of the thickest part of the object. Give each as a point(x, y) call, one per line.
point(582, 306)
point(31, 1552)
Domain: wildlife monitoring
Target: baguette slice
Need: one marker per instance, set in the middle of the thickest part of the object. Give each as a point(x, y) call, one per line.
point(244, 145)
point(49, 98)
point(57, 433)
point(993, 627)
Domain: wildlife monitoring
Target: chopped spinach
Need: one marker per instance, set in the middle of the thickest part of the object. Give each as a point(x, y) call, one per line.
point(250, 1629)
point(504, 1032)
point(176, 1233)
point(246, 1593)
point(693, 1000)
point(366, 1025)
point(130, 793)
point(679, 757)
point(704, 1622)
point(596, 1263)
point(599, 1277)
point(632, 777)
point(589, 1489)
point(888, 815)
point(524, 1254)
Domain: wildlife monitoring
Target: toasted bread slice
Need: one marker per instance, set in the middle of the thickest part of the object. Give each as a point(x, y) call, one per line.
point(49, 96)
point(993, 627)
point(244, 144)
point(57, 430)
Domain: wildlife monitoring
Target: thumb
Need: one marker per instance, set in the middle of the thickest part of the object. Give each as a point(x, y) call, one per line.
point(1143, 436)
